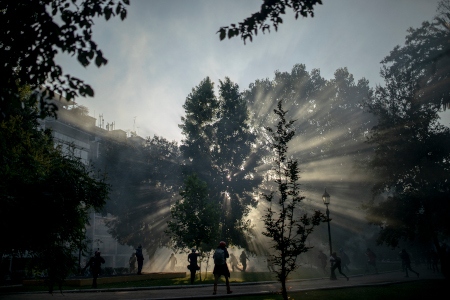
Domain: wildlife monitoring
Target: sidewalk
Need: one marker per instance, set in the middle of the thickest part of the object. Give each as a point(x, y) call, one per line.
point(200, 291)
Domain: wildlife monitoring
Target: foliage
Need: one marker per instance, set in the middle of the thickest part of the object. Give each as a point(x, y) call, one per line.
point(195, 218)
point(284, 224)
point(46, 195)
point(29, 44)
point(144, 180)
point(412, 149)
point(269, 9)
point(218, 147)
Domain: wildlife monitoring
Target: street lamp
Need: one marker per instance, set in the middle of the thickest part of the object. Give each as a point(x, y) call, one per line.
point(326, 201)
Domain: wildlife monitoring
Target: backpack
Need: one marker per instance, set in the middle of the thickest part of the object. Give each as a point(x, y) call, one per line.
point(219, 256)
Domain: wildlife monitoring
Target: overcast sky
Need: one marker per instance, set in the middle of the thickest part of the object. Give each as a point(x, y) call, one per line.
point(164, 48)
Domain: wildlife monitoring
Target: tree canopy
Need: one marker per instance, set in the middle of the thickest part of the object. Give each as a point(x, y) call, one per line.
point(270, 9)
point(32, 33)
point(411, 159)
point(51, 192)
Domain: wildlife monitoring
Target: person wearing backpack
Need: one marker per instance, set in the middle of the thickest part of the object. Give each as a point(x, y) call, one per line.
point(220, 266)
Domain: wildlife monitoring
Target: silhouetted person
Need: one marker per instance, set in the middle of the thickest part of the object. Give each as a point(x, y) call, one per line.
point(371, 260)
point(243, 258)
point(269, 260)
point(406, 262)
point(323, 260)
point(132, 262)
point(140, 259)
point(345, 260)
point(336, 262)
point(193, 265)
point(233, 262)
point(220, 266)
point(172, 261)
point(95, 264)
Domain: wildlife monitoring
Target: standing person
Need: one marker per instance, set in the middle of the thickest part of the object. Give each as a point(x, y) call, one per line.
point(345, 260)
point(220, 266)
point(243, 258)
point(132, 262)
point(193, 265)
point(336, 264)
point(95, 265)
point(140, 259)
point(371, 260)
point(323, 260)
point(406, 262)
point(172, 261)
point(233, 262)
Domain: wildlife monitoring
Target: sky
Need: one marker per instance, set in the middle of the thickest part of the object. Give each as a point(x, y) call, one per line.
point(165, 48)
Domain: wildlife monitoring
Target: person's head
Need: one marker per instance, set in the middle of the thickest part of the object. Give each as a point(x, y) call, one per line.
point(222, 244)
point(97, 253)
point(193, 250)
point(333, 254)
point(140, 246)
point(172, 254)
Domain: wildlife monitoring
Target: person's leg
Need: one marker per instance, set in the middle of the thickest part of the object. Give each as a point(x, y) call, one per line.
point(216, 279)
point(228, 285)
point(340, 272)
point(193, 276)
point(333, 274)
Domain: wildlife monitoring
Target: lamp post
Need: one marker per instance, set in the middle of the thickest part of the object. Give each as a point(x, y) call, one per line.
point(326, 201)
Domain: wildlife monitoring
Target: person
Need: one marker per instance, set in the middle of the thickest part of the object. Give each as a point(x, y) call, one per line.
point(371, 260)
point(220, 266)
point(243, 258)
point(140, 259)
point(95, 264)
point(406, 262)
point(172, 261)
point(323, 260)
point(345, 260)
point(132, 262)
point(233, 262)
point(336, 262)
point(193, 266)
point(269, 260)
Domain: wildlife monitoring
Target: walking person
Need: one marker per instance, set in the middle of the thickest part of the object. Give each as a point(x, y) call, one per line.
point(336, 264)
point(140, 259)
point(95, 264)
point(220, 266)
point(193, 265)
point(406, 262)
point(233, 262)
point(243, 258)
point(172, 261)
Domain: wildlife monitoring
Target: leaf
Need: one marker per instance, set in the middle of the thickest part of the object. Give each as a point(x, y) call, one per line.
point(222, 33)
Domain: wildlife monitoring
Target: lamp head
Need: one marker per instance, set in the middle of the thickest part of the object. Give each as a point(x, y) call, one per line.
point(326, 198)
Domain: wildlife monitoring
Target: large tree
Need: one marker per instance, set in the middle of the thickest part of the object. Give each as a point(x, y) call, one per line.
point(32, 33)
point(218, 147)
point(144, 183)
point(46, 195)
point(412, 149)
point(285, 223)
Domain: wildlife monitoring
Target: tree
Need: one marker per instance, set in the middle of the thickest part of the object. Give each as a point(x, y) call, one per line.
point(144, 182)
point(195, 217)
point(29, 44)
point(269, 9)
point(49, 193)
point(411, 159)
point(284, 223)
point(219, 148)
